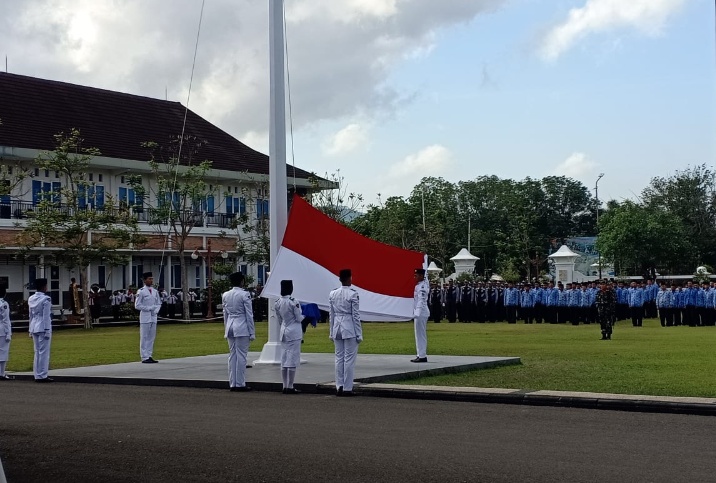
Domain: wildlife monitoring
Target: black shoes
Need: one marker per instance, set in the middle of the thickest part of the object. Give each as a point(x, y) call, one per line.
point(6, 378)
point(240, 389)
point(290, 390)
point(339, 391)
point(149, 361)
point(419, 359)
point(47, 379)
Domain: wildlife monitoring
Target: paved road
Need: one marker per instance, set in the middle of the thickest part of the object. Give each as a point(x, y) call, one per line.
point(77, 433)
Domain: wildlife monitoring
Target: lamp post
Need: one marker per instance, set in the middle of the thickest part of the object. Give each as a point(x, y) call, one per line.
point(208, 259)
point(596, 195)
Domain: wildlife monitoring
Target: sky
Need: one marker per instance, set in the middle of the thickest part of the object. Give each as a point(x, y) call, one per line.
point(389, 91)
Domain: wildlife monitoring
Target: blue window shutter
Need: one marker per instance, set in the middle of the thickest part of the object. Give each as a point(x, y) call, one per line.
point(177, 203)
point(210, 204)
point(266, 208)
point(229, 205)
point(123, 194)
point(99, 196)
point(130, 196)
point(81, 196)
point(36, 191)
point(57, 192)
point(259, 208)
point(242, 205)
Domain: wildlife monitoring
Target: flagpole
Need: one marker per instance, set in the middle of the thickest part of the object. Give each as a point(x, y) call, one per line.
point(278, 201)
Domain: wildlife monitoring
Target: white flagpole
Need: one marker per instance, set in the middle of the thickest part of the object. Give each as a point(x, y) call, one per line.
point(278, 207)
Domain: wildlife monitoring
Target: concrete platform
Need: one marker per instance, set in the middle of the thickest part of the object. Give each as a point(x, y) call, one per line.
point(316, 374)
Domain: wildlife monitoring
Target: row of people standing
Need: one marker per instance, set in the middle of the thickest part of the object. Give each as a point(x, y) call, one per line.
point(496, 302)
point(690, 304)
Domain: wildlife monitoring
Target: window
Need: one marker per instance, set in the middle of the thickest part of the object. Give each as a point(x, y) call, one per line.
point(99, 178)
point(37, 171)
point(176, 276)
point(127, 197)
point(235, 205)
point(198, 276)
point(91, 177)
point(101, 275)
point(121, 179)
point(137, 271)
point(57, 174)
point(210, 204)
point(262, 209)
point(47, 173)
point(92, 196)
point(42, 190)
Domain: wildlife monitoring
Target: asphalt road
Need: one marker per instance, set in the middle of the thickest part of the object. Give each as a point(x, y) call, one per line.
point(76, 433)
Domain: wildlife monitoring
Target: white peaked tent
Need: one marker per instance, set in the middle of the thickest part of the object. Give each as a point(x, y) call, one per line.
point(464, 262)
point(564, 259)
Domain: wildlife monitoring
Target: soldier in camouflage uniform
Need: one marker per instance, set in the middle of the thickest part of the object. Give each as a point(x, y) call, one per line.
point(606, 305)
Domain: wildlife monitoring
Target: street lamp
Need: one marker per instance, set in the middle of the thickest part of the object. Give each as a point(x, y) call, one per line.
point(596, 195)
point(208, 258)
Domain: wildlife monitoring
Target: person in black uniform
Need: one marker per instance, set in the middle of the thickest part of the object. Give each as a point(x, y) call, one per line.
point(450, 296)
point(436, 304)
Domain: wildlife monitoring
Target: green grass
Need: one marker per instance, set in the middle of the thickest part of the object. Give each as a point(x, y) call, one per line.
point(675, 361)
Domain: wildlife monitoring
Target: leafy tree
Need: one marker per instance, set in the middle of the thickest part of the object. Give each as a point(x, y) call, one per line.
point(80, 234)
point(179, 192)
point(251, 227)
point(690, 195)
point(643, 239)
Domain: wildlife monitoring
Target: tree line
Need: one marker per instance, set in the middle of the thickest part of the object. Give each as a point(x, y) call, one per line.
point(514, 225)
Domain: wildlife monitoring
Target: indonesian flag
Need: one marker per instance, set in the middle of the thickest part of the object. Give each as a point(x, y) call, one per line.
point(315, 248)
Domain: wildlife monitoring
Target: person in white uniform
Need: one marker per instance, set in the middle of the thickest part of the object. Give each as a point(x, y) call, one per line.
point(239, 330)
point(345, 331)
point(421, 314)
point(149, 303)
point(5, 334)
point(288, 313)
point(41, 329)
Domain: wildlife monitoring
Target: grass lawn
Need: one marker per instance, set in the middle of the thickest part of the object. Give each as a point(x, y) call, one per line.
point(676, 361)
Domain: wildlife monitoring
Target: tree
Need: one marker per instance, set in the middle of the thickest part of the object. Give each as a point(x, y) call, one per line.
point(252, 227)
point(642, 238)
point(81, 226)
point(690, 195)
point(179, 191)
point(338, 203)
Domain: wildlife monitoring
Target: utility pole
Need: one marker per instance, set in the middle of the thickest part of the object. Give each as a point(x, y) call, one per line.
point(596, 195)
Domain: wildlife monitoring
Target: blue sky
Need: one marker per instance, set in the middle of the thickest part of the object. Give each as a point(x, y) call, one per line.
point(389, 91)
point(623, 103)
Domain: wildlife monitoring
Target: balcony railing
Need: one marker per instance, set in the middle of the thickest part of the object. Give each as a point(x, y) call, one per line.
point(19, 210)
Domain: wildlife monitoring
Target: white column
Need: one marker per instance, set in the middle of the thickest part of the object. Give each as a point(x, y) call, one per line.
point(278, 209)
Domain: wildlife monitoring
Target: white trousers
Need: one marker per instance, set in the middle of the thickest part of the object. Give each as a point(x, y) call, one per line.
point(421, 335)
point(147, 334)
point(346, 355)
point(238, 352)
point(41, 364)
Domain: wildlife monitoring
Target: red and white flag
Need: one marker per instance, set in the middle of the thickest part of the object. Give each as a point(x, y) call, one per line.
point(315, 248)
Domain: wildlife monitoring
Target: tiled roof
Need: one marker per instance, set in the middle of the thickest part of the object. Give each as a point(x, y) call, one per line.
point(33, 110)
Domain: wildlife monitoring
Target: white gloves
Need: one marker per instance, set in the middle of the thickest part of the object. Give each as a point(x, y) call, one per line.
point(47, 335)
point(8, 337)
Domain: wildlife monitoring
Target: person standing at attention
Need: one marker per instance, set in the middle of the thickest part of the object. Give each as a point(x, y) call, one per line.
point(5, 334)
point(149, 303)
point(239, 330)
point(289, 316)
point(41, 329)
point(420, 315)
point(345, 331)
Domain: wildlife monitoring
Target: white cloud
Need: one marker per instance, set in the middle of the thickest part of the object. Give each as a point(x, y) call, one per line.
point(341, 53)
point(577, 166)
point(432, 160)
point(596, 16)
point(346, 140)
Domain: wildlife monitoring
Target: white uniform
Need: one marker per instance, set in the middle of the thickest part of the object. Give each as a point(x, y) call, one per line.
point(41, 330)
point(421, 314)
point(239, 331)
point(288, 313)
point(5, 335)
point(148, 302)
point(346, 333)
